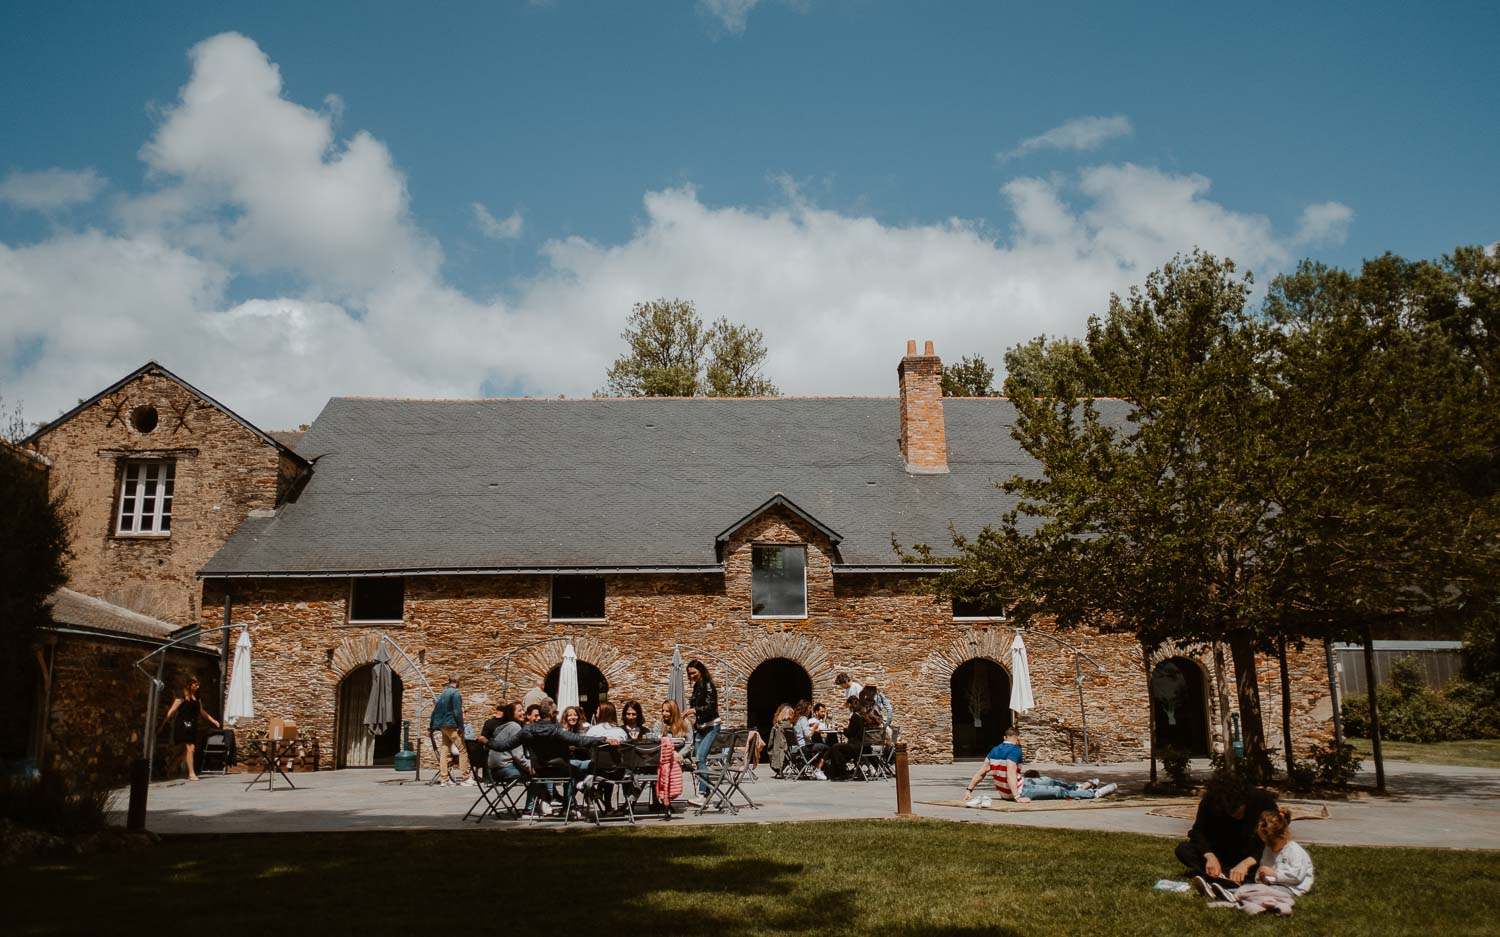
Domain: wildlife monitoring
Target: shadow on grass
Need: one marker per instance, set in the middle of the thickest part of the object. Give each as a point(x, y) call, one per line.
point(525, 882)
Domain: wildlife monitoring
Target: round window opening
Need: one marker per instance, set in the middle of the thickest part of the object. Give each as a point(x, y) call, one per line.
point(144, 419)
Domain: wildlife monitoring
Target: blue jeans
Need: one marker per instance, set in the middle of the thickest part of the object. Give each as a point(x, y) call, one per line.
point(1045, 788)
point(702, 745)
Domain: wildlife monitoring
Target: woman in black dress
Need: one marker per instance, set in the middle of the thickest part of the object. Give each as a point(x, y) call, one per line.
point(184, 719)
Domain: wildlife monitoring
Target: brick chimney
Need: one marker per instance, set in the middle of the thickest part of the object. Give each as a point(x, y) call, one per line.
point(924, 440)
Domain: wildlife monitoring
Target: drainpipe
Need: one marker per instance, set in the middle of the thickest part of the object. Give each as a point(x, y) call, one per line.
point(224, 652)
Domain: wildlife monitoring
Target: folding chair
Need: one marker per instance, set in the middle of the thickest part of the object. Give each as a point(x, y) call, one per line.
point(643, 759)
point(871, 761)
point(215, 753)
point(555, 773)
point(609, 773)
point(721, 771)
point(497, 796)
point(796, 766)
point(892, 736)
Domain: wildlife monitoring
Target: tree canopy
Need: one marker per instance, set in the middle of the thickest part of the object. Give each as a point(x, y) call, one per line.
point(1326, 461)
point(33, 551)
point(670, 353)
point(971, 377)
point(1052, 367)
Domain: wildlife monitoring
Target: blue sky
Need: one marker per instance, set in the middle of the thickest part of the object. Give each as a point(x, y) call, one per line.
point(843, 175)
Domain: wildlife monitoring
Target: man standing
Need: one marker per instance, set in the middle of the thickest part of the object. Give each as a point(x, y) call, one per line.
point(447, 723)
point(848, 685)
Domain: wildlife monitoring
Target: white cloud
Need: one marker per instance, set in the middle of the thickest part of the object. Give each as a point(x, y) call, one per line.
point(50, 189)
point(731, 14)
point(836, 293)
point(496, 229)
point(1324, 223)
point(1080, 133)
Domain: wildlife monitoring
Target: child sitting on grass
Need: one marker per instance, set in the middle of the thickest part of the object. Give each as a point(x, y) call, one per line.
point(1285, 872)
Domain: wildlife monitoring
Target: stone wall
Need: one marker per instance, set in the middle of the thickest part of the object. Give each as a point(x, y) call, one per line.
point(874, 626)
point(223, 472)
point(96, 709)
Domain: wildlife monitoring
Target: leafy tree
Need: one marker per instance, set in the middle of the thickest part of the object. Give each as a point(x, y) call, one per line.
point(666, 340)
point(1145, 518)
point(1052, 367)
point(736, 355)
point(671, 353)
point(33, 558)
point(971, 377)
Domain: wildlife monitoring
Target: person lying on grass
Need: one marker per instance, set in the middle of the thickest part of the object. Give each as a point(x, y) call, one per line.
point(1004, 764)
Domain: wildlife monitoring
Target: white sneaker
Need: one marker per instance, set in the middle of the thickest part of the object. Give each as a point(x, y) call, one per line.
point(1106, 790)
point(467, 782)
point(546, 808)
point(819, 775)
point(986, 802)
point(975, 801)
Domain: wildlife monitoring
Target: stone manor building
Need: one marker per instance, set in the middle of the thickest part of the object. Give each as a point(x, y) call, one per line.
point(479, 537)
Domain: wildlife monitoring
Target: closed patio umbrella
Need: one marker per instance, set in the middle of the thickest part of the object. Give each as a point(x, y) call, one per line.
point(1020, 677)
point(379, 711)
point(567, 679)
point(241, 703)
point(677, 680)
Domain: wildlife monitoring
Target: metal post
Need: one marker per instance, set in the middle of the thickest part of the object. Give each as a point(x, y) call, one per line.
point(224, 653)
point(903, 782)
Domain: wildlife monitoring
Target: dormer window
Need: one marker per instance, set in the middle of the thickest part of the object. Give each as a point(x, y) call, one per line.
point(778, 581)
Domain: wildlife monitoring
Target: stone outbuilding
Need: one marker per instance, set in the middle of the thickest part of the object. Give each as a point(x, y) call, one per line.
point(479, 537)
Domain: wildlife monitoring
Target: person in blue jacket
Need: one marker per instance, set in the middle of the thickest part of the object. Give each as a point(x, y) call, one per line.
point(447, 724)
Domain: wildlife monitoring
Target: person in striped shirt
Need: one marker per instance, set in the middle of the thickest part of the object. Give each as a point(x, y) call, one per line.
point(1004, 764)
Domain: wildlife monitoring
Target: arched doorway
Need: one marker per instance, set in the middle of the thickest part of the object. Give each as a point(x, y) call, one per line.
point(774, 682)
point(1179, 697)
point(593, 689)
point(981, 706)
point(354, 745)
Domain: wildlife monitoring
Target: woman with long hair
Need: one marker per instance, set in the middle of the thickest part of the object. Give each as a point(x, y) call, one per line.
point(671, 722)
point(186, 710)
point(703, 709)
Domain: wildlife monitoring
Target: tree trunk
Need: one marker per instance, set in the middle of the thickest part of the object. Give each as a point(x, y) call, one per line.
point(1150, 710)
point(1247, 689)
point(1221, 689)
point(1374, 710)
point(1286, 706)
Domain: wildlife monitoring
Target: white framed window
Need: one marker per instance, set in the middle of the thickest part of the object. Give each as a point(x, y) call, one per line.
point(146, 489)
point(979, 610)
point(577, 598)
point(778, 581)
point(377, 600)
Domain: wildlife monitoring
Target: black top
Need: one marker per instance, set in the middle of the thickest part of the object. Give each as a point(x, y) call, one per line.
point(185, 722)
point(1231, 840)
point(704, 703)
point(490, 725)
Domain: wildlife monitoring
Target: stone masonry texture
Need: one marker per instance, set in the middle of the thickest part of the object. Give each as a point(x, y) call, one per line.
point(223, 472)
point(880, 628)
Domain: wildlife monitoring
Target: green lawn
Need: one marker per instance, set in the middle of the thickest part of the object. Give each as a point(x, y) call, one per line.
point(858, 878)
point(1477, 753)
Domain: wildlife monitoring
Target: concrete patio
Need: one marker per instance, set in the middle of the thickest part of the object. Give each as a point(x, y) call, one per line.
point(1448, 807)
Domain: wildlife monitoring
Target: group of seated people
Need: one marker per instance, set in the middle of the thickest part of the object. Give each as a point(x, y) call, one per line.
point(831, 752)
point(525, 742)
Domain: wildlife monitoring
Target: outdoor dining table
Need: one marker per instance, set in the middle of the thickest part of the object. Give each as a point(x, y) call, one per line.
point(272, 750)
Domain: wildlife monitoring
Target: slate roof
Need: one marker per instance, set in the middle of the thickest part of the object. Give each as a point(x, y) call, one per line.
point(512, 485)
point(94, 614)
